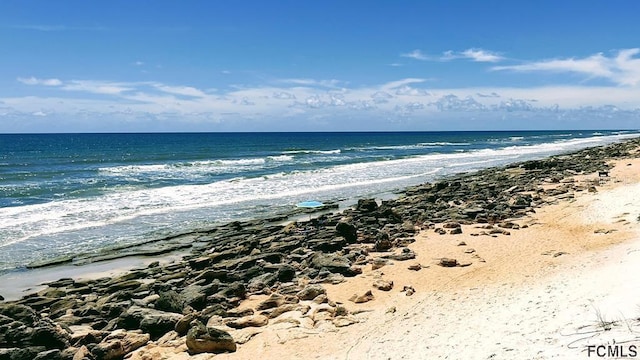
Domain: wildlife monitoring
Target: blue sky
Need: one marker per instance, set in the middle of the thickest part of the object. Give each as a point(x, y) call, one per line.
point(92, 66)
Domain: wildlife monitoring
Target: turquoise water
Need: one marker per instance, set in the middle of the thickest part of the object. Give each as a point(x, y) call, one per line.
point(68, 193)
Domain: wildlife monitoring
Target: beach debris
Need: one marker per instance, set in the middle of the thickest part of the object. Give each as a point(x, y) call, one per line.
point(391, 310)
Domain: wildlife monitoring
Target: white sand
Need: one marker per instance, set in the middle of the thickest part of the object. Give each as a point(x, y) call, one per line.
point(520, 304)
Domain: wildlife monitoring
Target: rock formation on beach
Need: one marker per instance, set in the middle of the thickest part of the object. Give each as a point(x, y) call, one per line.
point(198, 304)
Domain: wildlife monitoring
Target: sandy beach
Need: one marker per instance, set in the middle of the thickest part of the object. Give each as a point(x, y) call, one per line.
point(567, 281)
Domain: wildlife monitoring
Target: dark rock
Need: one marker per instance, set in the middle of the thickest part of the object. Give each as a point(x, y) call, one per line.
point(236, 289)
point(50, 335)
point(451, 225)
point(273, 301)
point(286, 273)
point(310, 292)
point(210, 275)
point(54, 354)
point(64, 282)
point(384, 285)
point(446, 262)
point(61, 306)
point(347, 230)
point(18, 312)
point(170, 301)
point(383, 243)
point(196, 295)
point(329, 245)
point(204, 339)
point(379, 262)
point(455, 231)
point(123, 285)
point(25, 353)
point(154, 322)
point(367, 205)
point(333, 263)
point(184, 324)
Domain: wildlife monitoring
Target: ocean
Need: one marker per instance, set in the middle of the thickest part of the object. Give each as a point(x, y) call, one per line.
point(63, 194)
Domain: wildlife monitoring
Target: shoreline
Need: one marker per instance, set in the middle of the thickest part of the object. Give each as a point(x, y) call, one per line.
point(337, 253)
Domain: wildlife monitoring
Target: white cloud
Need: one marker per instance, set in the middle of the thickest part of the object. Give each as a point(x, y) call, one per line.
point(416, 54)
point(474, 54)
point(35, 81)
point(381, 97)
point(312, 82)
point(180, 90)
point(283, 95)
point(408, 98)
point(403, 82)
point(480, 55)
point(97, 87)
point(622, 69)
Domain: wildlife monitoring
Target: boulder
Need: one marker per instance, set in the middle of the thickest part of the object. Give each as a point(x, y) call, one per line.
point(310, 292)
point(333, 263)
point(154, 322)
point(203, 339)
point(347, 230)
point(21, 313)
point(50, 335)
point(384, 285)
point(446, 262)
point(367, 205)
point(286, 273)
